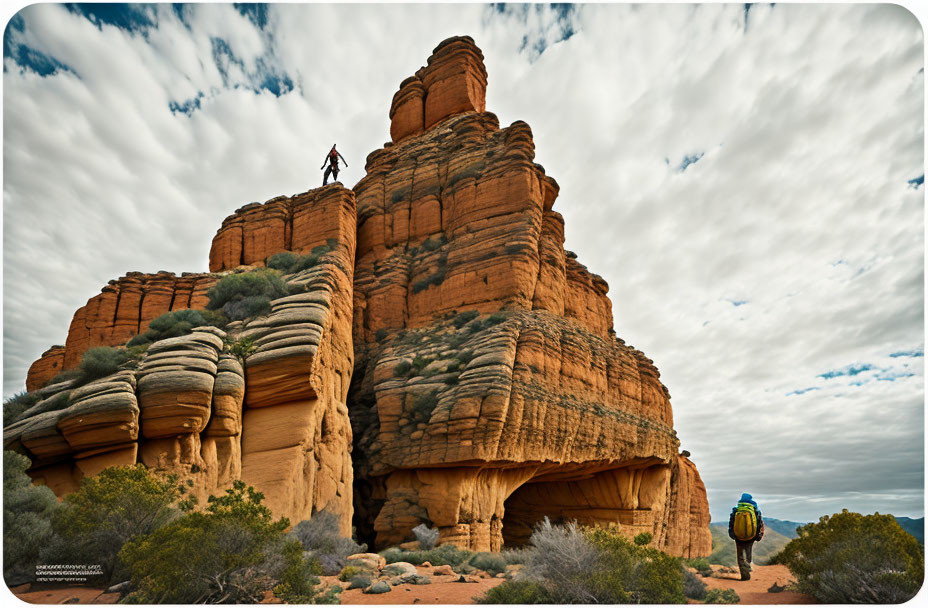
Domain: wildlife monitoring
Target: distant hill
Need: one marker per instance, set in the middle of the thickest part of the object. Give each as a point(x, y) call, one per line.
point(723, 548)
point(779, 532)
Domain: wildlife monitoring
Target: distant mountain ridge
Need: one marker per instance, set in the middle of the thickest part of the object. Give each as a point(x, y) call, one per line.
point(915, 527)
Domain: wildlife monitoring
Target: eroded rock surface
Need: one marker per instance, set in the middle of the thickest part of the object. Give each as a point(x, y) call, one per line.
point(491, 390)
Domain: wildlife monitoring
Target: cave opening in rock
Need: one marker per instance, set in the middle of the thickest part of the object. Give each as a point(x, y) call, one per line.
point(628, 496)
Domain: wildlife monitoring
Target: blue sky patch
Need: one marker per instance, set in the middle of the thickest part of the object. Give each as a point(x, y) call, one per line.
point(917, 181)
point(802, 391)
point(690, 159)
point(256, 12)
point(188, 106)
point(850, 370)
point(130, 17)
point(915, 352)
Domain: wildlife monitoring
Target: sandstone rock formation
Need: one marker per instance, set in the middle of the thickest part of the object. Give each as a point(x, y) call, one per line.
point(49, 365)
point(490, 389)
point(190, 407)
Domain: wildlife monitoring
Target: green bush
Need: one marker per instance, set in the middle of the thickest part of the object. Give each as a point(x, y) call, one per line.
point(701, 565)
point(491, 563)
point(425, 403)
point(101, 361)
point(248, 294)
point(233, 552)
point(28, 510)
point(109, 509)
point(241, 348)
point(439, 556)
point(319, 535)
point(381, 334)
point(402, 368)
point(644, 539)
point(721, 596)
point(517, 592)
point(849, 558)
point(289, 262)
point(70, 374)
point(16, 405)
point(348, 572)
point(177, 323)
point(463, 318)
point(283, 261)
point(693, 586)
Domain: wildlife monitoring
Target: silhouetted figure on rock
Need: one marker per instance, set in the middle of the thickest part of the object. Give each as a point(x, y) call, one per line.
point(745, 526)
point(332, 159)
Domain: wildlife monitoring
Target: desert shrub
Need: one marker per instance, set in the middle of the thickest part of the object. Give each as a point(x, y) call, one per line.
point(65, 376)
point(849, 558)
point(402, 368)
point(418, 363)
point(437, 278)
point(701, 565)
point(381, 334)
point(108, 510)
point(424, 404)
point(463, 318)
point(515, 556)
point(233, 552)
point(27, 519)
point(319, 535)
point(348, 572)
point(241, 347)
point(101, 361)
point(570, 255)
point(282, 261)
point(496, 318)
point(600, 566)
point(430, 244)
point(177, 323)
point(439, 556)
point(721, 596)
point(248, 294)
point(426, 536)
point(644, 539)
point(298, 579)
point(518, 592)
point(492, 563)
point(16, 405)
point(693, 587)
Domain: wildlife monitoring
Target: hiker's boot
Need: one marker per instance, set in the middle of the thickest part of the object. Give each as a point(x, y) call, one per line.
point(745, 576)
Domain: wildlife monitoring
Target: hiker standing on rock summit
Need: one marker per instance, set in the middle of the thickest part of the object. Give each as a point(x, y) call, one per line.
point(331, 158)
point(745, 526)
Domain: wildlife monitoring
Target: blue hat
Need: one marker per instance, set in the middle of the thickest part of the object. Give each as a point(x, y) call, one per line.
point(746, 497)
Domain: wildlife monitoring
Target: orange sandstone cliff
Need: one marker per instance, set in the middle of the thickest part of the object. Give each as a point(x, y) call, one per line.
point(490, 389)
point(475, 358)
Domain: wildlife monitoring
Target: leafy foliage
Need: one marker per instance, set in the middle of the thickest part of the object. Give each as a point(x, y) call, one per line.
point(319, 535)
point(248, 294)
point(518, 592)
point(463, 318)
point(289, 262)
point(439, 556)
point(101, 361)
point(16, 405)
point(426, 536)
point(177, 323)
point(693, 586)
point(108, 510)
point(241, 347)
point(644, 539)
point(492, 563)
point(721, 596)
point(27, 519)
point(849, 558)
point(402, 368)
point(233, 552)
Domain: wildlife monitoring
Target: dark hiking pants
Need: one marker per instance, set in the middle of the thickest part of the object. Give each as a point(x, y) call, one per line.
point(330, 170)
point(744, 557)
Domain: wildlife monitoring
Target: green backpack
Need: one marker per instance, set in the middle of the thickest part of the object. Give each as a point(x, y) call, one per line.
point(745, 525)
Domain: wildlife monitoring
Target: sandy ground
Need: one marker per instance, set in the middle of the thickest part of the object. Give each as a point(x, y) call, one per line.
point(62, 595)
point(755, 591)
point(443, 590)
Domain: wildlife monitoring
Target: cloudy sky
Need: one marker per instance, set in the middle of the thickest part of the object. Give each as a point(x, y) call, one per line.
point(748, 181)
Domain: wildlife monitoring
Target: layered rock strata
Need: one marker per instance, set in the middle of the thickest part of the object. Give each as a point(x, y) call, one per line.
point(45, 368)
point(275, 416)
point(126, 306)
point(490, 389)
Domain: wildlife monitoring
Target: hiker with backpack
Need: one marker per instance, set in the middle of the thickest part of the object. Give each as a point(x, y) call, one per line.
point(331, 158)
point(745, 527)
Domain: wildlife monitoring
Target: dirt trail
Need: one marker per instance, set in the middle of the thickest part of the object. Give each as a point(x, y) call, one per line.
point(443, 590)
point(755, 591)
point(62, 595)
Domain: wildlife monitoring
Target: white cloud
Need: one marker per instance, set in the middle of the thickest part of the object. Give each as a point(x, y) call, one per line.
point(799, 209)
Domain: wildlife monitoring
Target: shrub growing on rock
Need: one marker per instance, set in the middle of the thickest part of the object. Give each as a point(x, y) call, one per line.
point(16, 405)
point(644, 539)
point(27, 519)
point(426, 536)
point(247, 294)
point(849, 558)
point(319, 535)
point(101, 361)
point(177, 323)
point(108, 510)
